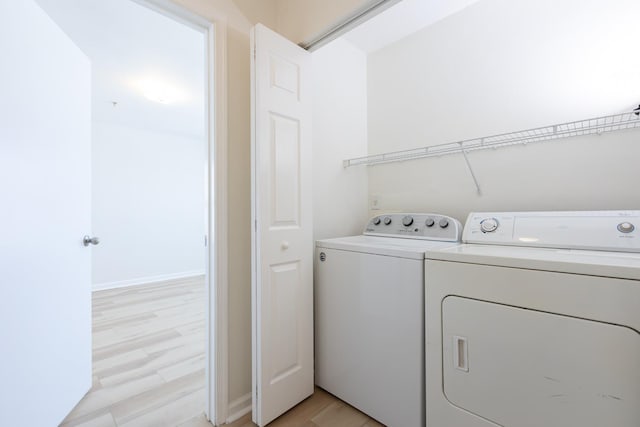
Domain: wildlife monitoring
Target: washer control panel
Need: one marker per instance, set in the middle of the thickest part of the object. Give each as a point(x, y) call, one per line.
point(424, 226)
point(593, 230)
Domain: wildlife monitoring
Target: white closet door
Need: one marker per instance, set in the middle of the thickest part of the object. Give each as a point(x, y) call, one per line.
point(282, 288)
point(45, 184)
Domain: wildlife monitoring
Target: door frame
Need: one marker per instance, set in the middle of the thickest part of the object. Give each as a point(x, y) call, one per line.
point(214, 28)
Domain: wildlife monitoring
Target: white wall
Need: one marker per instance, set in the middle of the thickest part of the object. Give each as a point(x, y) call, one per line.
point(148, 205)
point(339, 132)
point(501, 66)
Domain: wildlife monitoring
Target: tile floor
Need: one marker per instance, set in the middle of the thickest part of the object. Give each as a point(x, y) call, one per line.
point(148, 365)
point(148, 357)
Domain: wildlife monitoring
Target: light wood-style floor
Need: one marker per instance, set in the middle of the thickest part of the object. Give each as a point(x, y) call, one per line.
point(148, 357)
point(320, 410)
point(149, 366)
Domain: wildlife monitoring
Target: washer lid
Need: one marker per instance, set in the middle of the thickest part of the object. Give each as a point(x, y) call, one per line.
point(389, 246)
point(593, 263)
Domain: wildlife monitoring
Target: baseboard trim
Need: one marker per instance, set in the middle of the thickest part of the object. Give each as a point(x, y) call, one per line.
point(146, 280)
point(239, 408)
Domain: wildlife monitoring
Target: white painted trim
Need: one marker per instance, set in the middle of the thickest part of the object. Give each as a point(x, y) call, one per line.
point(146, 280)
point(178, 13)
point(215, 30)
point(239, 407)
point(254, 225)
point(219, 159)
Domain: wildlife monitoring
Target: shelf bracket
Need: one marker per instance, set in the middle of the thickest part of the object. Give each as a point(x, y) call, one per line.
point(473, 175)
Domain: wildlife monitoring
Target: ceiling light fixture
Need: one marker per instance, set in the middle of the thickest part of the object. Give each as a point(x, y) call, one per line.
point(159, 91)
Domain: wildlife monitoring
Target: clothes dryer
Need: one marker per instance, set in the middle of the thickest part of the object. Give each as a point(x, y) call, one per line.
point(369, 314)
point(535, 321)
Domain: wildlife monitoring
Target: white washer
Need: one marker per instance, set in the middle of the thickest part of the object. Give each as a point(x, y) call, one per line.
point(369, 314)
point(535, 322)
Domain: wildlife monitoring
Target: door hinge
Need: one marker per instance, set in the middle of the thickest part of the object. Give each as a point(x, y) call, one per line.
point(206, 241)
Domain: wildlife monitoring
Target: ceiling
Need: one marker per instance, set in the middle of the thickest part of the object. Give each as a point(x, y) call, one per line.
point(150, 66)
point(402, 20)
point(137, 54)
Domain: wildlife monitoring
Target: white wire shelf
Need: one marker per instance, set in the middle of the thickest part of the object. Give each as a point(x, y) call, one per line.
point(597, 125)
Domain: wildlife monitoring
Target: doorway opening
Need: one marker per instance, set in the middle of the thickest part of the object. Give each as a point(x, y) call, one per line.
point(158, 188)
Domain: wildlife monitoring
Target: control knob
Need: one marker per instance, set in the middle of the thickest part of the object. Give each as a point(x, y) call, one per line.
point(626, 227)
point(429, 222)
point(387, 220)
point(376, 220)
point(444, 223)
point(489, 225)
point(407, 221)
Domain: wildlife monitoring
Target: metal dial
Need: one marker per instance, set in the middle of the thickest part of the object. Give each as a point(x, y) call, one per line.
point(387, 220)
point(407, 221)
point(429, 222)
point(626, 227)
point(444, 223)
point(489, 225)
point(376, 221)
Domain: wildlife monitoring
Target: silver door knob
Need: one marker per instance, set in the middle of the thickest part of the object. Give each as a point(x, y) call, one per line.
point(86, 240)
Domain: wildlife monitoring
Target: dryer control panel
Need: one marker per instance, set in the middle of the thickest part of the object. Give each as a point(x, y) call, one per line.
point(423, 226)
point(591, 230)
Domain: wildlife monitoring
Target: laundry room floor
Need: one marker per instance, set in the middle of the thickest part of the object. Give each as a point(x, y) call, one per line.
point(149, 365)
point(320, 410)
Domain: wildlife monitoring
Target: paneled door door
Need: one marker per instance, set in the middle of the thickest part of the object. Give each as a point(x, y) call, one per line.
point(282, 243)
point(45, 199)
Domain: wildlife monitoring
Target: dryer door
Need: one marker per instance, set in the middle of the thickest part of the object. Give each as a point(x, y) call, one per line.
point(527, 368)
